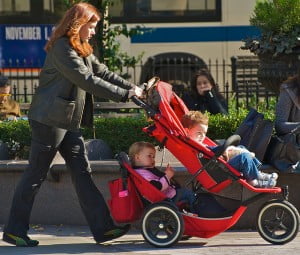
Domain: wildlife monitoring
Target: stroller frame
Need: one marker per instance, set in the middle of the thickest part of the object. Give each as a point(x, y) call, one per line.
point(163, 223)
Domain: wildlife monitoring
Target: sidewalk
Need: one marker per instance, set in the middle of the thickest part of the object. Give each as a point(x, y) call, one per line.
point(61, 240)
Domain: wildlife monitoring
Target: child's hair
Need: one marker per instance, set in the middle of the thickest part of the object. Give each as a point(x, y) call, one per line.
point(193, 118)
point(136, 147)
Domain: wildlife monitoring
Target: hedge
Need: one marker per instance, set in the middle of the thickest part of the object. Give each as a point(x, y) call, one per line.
point(118, 133)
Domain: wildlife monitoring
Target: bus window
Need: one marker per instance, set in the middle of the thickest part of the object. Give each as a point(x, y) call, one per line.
point(158, 11)
point(14, 6)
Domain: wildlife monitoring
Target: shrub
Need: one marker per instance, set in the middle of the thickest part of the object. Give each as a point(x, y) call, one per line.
point(118, 133)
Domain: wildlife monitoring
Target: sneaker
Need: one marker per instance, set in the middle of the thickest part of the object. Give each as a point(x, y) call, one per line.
point(266, 177)
point(22, 241)
point(263, 183)
point(115, 232)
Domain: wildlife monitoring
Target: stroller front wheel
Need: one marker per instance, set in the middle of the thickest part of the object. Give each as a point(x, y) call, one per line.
point(278, 221)
point(162, 225)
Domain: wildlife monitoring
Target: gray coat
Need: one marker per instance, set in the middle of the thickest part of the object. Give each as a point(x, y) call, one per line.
point(287, 110)
point(67, 81)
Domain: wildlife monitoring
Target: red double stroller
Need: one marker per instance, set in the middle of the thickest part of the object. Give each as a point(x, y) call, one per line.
point(164, 223)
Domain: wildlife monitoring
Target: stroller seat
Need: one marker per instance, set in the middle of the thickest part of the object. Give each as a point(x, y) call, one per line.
point(169, 131)
point(144, 188)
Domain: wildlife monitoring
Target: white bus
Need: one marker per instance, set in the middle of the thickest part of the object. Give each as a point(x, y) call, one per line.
point(207, 29)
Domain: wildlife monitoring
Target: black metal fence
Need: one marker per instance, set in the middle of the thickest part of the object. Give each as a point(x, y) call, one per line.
point(236, 80)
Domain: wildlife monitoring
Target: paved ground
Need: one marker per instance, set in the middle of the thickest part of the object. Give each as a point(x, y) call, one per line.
point(59, 240)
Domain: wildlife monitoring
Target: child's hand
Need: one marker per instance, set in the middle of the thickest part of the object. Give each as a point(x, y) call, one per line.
point(230, 152)
point(169, 171)
point(233, 151)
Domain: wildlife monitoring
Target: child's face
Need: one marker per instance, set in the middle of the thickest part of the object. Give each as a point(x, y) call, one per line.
point(145, 158)
point(198, 132)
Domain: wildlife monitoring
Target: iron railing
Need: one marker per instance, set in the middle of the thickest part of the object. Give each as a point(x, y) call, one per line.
point(237, 80)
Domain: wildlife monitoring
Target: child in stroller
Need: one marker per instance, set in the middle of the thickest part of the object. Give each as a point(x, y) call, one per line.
point(162, 223)
point(142, 157)
point(237, 156)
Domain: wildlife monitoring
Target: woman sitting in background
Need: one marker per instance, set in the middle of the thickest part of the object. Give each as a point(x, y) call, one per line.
point(287, 120)
point(204, 95)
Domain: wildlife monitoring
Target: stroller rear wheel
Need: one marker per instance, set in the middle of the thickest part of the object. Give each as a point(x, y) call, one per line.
point(162, 225)
point(278, 222)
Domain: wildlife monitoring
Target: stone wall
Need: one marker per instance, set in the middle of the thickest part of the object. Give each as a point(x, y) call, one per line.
point(56, 203)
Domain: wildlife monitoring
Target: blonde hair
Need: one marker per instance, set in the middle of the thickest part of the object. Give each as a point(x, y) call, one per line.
point(193, 118)
point(70, 25)
point(136, 147)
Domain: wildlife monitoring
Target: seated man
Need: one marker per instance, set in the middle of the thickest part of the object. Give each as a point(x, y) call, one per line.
point(9, 109)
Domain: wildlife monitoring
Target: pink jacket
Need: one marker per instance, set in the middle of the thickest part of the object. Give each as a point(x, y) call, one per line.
point(166, 186)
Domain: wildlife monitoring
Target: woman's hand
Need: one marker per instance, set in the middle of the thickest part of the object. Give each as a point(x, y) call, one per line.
point(135, 91)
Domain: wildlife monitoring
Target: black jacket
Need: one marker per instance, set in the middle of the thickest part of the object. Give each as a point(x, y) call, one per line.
point(66, 85)
point(211, 102)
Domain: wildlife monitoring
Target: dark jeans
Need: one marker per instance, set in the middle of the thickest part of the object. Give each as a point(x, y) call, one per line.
point(46, 141)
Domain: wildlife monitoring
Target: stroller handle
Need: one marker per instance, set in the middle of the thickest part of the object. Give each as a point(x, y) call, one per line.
point(146, 107)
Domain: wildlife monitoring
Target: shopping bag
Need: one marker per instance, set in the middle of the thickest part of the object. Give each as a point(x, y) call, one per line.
point(284, 151)
point(125, 203)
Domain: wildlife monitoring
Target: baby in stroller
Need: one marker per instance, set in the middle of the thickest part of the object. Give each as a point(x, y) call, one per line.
point(142, 157)
point(239, 157)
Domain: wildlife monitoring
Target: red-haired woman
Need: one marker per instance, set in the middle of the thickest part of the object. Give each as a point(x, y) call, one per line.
point(63, 102)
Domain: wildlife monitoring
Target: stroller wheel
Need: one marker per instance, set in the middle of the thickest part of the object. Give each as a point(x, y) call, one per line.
point(162, 225)
point(278, 222)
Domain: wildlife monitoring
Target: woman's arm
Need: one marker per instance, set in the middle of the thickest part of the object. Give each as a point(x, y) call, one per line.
point(283, 109)
point(102, 71)
point(216, 103)
point(72, 67)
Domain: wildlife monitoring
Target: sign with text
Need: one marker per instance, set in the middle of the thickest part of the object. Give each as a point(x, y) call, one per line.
point(23, 45)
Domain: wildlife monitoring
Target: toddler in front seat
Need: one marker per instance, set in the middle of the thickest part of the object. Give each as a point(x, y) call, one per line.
point(142, 157)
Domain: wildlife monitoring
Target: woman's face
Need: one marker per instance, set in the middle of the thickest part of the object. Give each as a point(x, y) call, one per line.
point(203, 85)
point(87, 31)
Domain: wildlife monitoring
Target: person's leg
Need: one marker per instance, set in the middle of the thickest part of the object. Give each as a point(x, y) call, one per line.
point(184, 194)
point(90, 198)
point(245, 164)
point(44, 142)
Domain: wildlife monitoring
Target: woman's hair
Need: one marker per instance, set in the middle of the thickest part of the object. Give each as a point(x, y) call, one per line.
point(136, 148)
point(193, 118)
point(207, 74)
point(74, 18)
point(295, 82)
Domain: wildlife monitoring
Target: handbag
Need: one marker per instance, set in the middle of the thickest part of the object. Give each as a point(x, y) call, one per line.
point(255, 133)
point(125, 203)
point(284, 151)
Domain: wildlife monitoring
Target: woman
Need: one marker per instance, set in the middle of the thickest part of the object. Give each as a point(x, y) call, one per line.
point(63, 101)
point(287, 121)
point(204, 95)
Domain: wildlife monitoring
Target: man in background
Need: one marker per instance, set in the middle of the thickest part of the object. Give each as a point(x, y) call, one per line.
point(9, 109)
